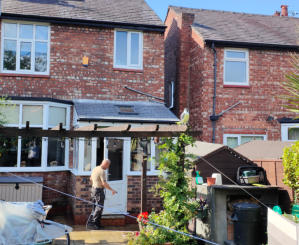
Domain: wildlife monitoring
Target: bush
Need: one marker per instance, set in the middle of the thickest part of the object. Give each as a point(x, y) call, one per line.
point(290, 160)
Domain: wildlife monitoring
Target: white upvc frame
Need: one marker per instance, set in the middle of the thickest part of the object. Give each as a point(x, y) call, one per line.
point(44, 153)
point(246, 59)
point(19, 40)
point(140, 51)
point(284, 130)
point(225, 136)
point(153, 171)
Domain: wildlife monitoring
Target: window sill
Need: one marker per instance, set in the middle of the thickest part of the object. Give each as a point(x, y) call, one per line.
point(23, 75)
point(236, 86)
point(128, 70)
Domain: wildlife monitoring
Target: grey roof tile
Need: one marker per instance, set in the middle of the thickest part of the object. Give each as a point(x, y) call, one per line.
point(246, 28)
point(118, 11)
point(109, 110)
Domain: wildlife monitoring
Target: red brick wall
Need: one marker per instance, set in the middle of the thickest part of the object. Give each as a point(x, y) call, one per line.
point(260, 99)
point(134, 194)
point(70, 80)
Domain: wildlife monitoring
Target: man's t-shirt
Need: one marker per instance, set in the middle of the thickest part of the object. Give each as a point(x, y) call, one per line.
point(98, 176)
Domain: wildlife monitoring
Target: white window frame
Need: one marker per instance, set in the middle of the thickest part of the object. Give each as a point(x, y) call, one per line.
point(284, 130)
point(140, 52)
point(44, 147)
point(246, 59)
point(225, 136)
point(152, 171)
point(33, 40)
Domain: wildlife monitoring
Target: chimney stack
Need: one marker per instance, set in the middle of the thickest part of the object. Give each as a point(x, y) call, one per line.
point(277, 13)
point(284, 10)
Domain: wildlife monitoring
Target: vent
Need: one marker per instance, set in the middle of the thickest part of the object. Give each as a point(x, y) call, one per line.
point(126, 110)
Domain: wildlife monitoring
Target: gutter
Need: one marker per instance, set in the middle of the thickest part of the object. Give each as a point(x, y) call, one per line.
point(126, 120)
point(92, 23)
point(249, 44)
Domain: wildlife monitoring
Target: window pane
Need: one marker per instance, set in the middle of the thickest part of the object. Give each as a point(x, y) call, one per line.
point(236, 54)
point(87, 155)
point(31, 152)
point(75, 153)
point(245, 139)
point(134, 48)
point(26, 31)
point(41, 32)
point(293, 133)
point(232, 142)
point(10, 30)
point(115, 155)
point(10, 114)
point(121, 48)
point(56, 152)
point(33, 114)
point(8, 152)
point(9, 62)
point(57, 115)
point(137, 151)
point(235, 71)
point(25, 56)
point(41, 53)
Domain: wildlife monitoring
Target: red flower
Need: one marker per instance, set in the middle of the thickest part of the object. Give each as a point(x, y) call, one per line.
point(137, 233)
point(143, 217)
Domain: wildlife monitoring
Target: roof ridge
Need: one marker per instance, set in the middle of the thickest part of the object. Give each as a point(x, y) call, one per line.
point(231, 12)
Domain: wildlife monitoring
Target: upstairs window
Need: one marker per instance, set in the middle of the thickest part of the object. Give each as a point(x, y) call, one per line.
point(25, 48)
point(128, 49)
point(236, 71)
point(234, 140)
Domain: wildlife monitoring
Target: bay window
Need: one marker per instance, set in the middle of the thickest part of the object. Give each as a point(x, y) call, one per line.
point(25, 48)
point(28, 153)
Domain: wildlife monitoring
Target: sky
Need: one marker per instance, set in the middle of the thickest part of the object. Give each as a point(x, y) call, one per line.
point(267, 7)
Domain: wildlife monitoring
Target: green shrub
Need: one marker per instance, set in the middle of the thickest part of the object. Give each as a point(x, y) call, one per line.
point(290, 160)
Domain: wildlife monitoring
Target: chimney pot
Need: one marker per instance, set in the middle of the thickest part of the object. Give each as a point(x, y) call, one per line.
point(284, 10)
point(277, 13)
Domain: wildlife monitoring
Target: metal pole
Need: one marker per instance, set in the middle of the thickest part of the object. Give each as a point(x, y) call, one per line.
point(143, 184)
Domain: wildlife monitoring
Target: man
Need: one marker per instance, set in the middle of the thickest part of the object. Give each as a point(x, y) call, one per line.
point(99, 184)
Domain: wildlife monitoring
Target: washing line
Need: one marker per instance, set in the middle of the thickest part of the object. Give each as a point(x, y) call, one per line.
point(113, 210)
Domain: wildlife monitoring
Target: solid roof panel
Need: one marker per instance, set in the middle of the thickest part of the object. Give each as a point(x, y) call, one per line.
point(260, 149)
point(97, 110)
point(118, 11)
point(243, 28)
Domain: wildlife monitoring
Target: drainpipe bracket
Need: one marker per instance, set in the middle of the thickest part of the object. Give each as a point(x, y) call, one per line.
point(214, 118)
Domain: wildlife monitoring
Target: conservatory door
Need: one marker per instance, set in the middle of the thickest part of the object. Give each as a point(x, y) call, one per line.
point(116, 149)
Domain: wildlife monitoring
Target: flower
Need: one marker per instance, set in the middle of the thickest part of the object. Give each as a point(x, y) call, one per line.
point(143, 217)
point(137, 233)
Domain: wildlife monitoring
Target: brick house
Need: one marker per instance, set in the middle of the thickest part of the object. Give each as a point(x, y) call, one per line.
point(80, 63)
point(226, 68)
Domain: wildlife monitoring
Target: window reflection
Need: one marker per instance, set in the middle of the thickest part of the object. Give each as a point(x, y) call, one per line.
point(31, 152)
point(140, 148)
point(56, 152)
point(8, 152)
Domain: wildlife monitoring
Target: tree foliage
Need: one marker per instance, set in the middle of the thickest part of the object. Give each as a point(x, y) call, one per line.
point(291, 86)
point(290, 160)
point(176, 192)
